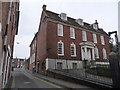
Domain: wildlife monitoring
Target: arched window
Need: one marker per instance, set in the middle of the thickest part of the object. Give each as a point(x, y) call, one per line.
point(73, 49)
point(60, 48)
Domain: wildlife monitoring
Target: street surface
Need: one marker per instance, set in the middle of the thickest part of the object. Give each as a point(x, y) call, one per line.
point(22, 79)
point(25, 79)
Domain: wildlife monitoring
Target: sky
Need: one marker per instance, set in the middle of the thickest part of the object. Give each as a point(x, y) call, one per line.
point(104, 11)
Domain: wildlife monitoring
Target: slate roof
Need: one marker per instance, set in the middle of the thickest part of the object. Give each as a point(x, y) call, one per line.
point(71, 21)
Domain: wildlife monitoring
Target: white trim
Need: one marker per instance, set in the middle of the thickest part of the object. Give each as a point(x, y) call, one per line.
point(60, 42)
point(94, 38)
point(60, 30)
point(104, 53)
point(72, 33)
point(63, 16)
point(80, 28)
point(96, 52)
point(73, 45)
point(84, 36)
point(95, 26)
point(102, 40)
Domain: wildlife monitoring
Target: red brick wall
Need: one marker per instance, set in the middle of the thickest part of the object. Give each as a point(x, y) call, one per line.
point(53, 38)
point(41, 43)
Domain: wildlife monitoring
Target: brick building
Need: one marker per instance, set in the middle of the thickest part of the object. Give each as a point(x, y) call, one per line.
point(27, 63)
point(18, 63)
point(0, 44)
point(64, 42)
point(33, 52)
point(9, 28)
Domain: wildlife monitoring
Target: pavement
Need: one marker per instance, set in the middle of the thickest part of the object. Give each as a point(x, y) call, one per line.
point(26, 79)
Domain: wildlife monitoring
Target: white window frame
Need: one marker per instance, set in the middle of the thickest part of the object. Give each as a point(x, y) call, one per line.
point(95, 26)
point(73, 45)
point(104, 53)
point(60, 42)
point(60, 30)
point(96, 53)
point(84, 36)
point(63, 16)
point(102, 40)
point(72, 33)
point(94, 38)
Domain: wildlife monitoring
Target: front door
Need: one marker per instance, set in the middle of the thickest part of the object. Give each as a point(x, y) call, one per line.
point(89, 54)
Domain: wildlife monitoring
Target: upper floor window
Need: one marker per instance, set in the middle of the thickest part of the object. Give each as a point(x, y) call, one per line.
point(63, 16)
point(94, 38)
point(60, 48)
point(95, 26)
point(60, 30)
point(104, 53)
point(102, 40)
point(84, 36)
point(73, 49)
point(96, 53)
point(72, 33)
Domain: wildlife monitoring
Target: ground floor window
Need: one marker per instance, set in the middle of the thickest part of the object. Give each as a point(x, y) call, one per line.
point(74, 65)
point(59, 65)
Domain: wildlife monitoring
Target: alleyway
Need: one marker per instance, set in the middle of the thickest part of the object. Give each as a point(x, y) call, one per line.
point(25, 79)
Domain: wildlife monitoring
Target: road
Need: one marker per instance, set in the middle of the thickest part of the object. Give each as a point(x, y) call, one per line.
point(23, 79)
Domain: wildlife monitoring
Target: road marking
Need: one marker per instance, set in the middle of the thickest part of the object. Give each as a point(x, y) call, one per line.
point(50, 83)
point(27, 82)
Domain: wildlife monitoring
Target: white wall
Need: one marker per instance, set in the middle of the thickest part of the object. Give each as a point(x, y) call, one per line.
point(52, 63)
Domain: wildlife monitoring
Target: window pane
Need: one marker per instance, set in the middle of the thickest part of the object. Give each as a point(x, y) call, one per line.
point(104, 54)
point(84, 37)
point(96, 52)
point(72, 33)
point(60, 48)
point(102, 40)
point(60, 30)
point(73, 50)
point(94, 38)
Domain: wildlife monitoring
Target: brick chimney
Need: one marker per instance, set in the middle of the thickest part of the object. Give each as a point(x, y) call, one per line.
point(44, 7)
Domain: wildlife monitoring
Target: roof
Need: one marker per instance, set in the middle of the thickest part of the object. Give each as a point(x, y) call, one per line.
point(72, 21)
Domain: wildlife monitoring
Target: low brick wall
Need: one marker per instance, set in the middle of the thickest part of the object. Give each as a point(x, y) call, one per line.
point(75, 80)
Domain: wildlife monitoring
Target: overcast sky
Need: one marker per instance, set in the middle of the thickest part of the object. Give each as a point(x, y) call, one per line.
point(104, 11)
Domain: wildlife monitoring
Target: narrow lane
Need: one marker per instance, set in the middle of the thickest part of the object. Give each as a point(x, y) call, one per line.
point(22, 79)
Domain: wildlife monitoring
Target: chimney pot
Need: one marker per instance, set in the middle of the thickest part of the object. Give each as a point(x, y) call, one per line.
point(44, 7)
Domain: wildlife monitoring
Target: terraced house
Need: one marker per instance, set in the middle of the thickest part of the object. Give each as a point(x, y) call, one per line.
point(9, 18)
point(64, 42)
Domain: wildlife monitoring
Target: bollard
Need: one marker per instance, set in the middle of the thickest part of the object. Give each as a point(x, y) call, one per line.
point(115, 69)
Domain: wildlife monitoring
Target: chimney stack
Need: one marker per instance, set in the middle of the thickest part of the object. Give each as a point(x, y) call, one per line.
point(44, 7)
